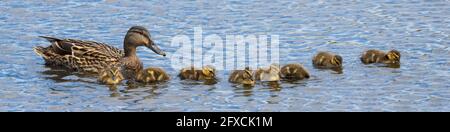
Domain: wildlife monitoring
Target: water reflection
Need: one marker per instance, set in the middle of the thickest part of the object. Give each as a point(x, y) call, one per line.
point(392, 65)
point(338, 70)
point(296, 83)
point(273, 86)
point(134, 89)
point(210, 82)
point(114, 91)
point(59, 75)
point(247, 90)
point(243, 90)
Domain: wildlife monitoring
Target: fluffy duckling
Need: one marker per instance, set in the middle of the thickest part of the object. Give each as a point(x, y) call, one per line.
point(111, 75)
point(244, 77)
point(206, 73)
point(327, 60)
point(272, 73)
point(377, 56)
point(152, 74)
point(294, 72)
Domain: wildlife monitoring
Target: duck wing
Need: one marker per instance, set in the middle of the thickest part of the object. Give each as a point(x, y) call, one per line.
point(86, 56)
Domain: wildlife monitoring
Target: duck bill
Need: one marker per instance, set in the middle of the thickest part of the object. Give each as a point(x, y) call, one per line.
point(155, 48)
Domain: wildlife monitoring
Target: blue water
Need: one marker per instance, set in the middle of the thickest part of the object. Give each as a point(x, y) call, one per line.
point(420, 30)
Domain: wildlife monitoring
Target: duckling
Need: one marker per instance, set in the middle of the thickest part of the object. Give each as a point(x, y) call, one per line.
point(272, 73)
point(152, 74)
point(327, 60)
point(111, 75)
point(206, 73)
point(294, 72)
point(377, 56)
point(244, 77)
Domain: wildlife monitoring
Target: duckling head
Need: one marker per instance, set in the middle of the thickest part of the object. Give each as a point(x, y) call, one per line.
point(139, 36)
point(208, 72)
point(274, 69)
point(337, 60)
point(247, 77)
point(393, 57)
point(271, 74)
point(111, 76)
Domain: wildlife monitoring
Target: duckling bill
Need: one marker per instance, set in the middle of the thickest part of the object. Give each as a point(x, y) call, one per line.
point(244, 77)
point(190, 73)
point(376, 56)
point(294, 72)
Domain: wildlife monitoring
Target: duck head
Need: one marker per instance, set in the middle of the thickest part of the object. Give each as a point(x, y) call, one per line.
point(139, 36)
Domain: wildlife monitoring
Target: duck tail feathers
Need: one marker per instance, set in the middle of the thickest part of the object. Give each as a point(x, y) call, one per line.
point(51, 39)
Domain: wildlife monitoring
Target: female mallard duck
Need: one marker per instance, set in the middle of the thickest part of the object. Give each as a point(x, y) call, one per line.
point(244, 77)
point(270, 74)
point(90, 56)
point(294, 72)
point(327, 60)
point(152, 74)
point(206, 73)
point(377, 56)
point(111, 75)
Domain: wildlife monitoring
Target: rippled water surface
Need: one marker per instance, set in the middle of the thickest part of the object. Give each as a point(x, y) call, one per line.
point(420, 30)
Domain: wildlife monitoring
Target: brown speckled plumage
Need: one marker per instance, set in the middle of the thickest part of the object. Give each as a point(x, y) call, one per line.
point(79, 55)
